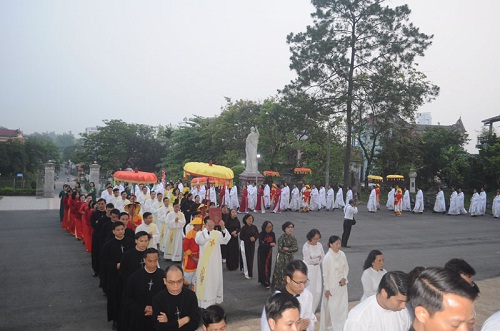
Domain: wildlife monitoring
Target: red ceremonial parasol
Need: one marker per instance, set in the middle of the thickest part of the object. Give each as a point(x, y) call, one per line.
point(211, 180)
point(135, 177)
point(271, 173)
point(302, 170)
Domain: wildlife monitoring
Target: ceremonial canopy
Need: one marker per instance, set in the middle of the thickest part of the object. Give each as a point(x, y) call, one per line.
point(135, 177)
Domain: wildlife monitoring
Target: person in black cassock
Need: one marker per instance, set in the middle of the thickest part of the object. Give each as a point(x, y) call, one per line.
point(138, 294)
point(175, 308)
point(96, 223)
point(111, 257)
point(132, 260)
point(233, 226)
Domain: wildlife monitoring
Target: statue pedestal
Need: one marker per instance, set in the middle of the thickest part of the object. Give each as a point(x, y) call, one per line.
point(251, 177)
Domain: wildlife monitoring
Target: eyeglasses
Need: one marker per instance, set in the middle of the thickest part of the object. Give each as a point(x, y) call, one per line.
point(178, 282)
point(306, 283)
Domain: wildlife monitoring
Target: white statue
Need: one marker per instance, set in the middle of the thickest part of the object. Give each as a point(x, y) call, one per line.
point(251, 150)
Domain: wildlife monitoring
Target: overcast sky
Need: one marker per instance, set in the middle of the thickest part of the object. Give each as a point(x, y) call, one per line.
point(67, 65)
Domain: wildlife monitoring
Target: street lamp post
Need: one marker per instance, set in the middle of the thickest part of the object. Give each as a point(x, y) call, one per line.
point(257, 172)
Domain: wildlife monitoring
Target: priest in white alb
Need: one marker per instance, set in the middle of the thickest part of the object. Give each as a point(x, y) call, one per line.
point(209, 289)
point(175, 221)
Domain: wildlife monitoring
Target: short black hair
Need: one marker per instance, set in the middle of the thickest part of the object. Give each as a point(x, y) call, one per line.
point(295, 265)
point(102, 199)
point(394, 282)
point(371, 257)
point(115, 211)
point(146, 214)
point(429, 287)
point(287, 224)
point(141, 234)
point(122, 214)
point(460, 266)
point(333, 239)
point(117, 224)
point(279, 302)
point(312, 233)
point(110, 205)
point(150, 250)
point(212, 314)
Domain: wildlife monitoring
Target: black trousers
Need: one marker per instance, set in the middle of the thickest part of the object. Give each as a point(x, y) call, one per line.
point(347, 231)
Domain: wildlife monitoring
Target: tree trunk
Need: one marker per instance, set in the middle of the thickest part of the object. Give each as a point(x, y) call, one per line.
point(327, 171)
point(347, 155)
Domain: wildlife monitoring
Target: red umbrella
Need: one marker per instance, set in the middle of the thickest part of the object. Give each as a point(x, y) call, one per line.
point(139, 177)
point(302, 170)
point(271, 173)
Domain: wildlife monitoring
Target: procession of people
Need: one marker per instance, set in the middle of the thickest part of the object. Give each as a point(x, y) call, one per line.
point(127, 243)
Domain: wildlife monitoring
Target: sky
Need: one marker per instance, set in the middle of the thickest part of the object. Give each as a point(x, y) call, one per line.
point(69, 65)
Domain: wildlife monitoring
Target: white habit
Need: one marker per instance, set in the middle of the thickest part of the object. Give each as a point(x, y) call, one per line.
point(370, 281)
point(173, 236)
point(419, 202)
point(313, 255)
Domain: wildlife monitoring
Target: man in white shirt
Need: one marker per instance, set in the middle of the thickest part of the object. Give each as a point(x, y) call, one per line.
point(119, 186)
point(384, 311)
point(115, 197)
point(296, 283)
point(349, 212)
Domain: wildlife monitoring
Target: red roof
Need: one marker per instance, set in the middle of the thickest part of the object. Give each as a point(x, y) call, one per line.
point(4, 132)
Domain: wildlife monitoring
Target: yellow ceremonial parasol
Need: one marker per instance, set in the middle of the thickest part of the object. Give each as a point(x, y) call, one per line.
point(375, 178)
point(395, 177)
point(208, 170)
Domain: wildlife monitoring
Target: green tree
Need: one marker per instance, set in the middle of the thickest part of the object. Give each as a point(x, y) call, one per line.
point(350, 41)
point(440, 147)
point(489, 155)
point(119, 145)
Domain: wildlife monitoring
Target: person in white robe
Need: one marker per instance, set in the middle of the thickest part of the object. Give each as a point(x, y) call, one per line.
point(301, 197)
point(406, 200)
point(390, 198)
point(202, 192)
point(372, 201)
point(175, 222)
point(339, 199)
point(313, 254)
point(295, 202)
point(149, 202)
point(461, 202)
point(322, 197)
point(330, 198)
point(148, 226)
point(194, 190)
point(233, 198)
point(495, 207)
point(295, 286)
point(374, 271)
point(335, 300)
point(115, 198)
point(286, 197)
point(180, 186)
point(120, 204)
point(119, 186)
point(419, 202)
point(226, 196)
point(267, 196)
point(474, 208)
point(252, 196)
point(213, 195)
point(283, 199)
point(314, 199)
point(385, 310)
point(143, 195)
point(440, 203)
point(209, 279)
point(158, 187)
point(348, 196)
point(482, 201)
point(107, 194)
point(454, 207)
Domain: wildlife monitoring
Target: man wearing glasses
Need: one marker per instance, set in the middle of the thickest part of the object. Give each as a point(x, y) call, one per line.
point(296, 283)
point(175, 308)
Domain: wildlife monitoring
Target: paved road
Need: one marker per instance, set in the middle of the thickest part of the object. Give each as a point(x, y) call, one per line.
point(46, 273)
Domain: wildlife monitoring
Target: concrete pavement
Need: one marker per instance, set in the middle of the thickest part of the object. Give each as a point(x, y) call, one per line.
point(406, 241)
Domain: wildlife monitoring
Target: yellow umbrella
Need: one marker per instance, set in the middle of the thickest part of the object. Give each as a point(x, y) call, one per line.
point(395, 177)
point(375, 178)
point(201, 169)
